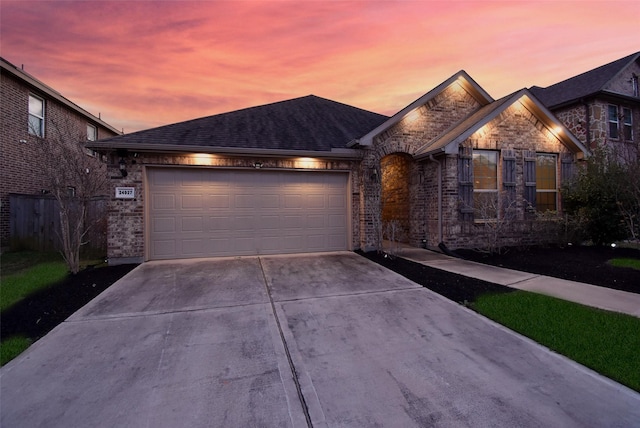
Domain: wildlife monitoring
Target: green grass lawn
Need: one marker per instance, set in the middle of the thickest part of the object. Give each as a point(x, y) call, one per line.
point(606, 342)
point(628, 263)
point(24, 273)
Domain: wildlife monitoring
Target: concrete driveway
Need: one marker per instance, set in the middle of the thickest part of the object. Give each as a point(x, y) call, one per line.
point(322, 340)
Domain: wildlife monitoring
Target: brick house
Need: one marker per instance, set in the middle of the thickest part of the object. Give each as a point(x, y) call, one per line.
point(310, 174)
point(600, 106)
point(30, 112)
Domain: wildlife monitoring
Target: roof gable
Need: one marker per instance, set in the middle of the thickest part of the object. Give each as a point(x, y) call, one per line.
point(449, 141)
point(460, 78)
point(307, 123)
point(583, 85)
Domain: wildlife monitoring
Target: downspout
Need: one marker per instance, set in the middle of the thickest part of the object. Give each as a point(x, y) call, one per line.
point(432, 159)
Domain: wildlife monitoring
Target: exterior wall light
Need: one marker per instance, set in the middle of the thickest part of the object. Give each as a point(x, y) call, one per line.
point(123, 167)
point(257, 165)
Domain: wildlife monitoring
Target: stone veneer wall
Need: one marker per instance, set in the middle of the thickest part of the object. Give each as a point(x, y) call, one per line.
point(126, 234)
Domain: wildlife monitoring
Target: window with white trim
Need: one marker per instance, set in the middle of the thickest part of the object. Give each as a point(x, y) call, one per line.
point(36, 116)
point(614, 121)
point(627, 124)
point(485, 184)
point(92, 132)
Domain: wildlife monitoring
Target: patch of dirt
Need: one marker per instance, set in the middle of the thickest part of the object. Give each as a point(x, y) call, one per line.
point(39, 313)
point(582, 264)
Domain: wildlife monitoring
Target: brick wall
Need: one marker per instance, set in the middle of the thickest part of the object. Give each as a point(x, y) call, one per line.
point(406, 137)
point(20, 153)
point(517, 129)
point(126, 233)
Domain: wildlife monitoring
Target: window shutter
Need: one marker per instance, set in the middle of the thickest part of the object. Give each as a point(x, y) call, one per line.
point(465, 182)
point(530, 177)
point(567, 168)
point(509, 173)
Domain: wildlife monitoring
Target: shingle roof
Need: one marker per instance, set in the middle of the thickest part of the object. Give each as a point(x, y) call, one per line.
point(308, 123)
point(582, 85)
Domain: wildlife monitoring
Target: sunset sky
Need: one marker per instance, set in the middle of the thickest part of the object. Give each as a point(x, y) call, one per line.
point(142, 64)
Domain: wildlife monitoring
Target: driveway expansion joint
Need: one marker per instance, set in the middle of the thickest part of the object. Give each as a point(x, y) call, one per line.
point(294, 372)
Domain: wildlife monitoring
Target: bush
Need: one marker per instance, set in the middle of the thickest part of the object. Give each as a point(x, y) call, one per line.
point(602, 200)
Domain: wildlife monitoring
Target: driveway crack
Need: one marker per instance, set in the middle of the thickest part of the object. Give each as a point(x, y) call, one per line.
point(292, 367)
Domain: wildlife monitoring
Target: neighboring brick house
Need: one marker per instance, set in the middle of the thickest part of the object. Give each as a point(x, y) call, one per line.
point(600, 106)
point(310, 174)
point(30, 111)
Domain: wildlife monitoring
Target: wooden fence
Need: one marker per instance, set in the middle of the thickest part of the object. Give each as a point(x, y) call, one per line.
point(34, 224)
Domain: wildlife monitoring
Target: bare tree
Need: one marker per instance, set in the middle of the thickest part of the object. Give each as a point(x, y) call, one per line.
point(498, 212)
point(74, 176)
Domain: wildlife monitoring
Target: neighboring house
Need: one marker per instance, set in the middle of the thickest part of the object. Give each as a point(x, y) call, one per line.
point(310, 174)
point(602, 106)
point(30, 112)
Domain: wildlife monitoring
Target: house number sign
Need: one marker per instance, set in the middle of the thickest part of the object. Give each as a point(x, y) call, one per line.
point(125, 192)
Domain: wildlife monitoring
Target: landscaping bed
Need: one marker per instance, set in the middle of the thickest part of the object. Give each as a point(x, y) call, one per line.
point(39, 313)
point(588, 264)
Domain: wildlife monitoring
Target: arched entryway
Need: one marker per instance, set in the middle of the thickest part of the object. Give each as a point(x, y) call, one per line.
point(395, 196)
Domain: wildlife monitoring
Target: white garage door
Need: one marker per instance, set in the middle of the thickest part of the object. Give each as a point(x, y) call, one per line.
point(209, 212)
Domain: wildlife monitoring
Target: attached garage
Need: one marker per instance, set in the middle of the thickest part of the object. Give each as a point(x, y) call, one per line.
point(204, 212)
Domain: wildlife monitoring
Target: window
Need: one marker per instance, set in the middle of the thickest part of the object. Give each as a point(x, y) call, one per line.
point(92, 132)
point(36, 116)
point(627, 124)
point(613, 121)
point(485, 184)
point(546, 188)
point(634, 83)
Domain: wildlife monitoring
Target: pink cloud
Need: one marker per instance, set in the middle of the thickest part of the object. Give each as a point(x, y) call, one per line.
point(144, 64)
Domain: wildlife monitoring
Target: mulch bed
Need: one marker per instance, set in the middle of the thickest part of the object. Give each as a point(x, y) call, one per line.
point(458, 288)
point(586, 264)
point(576, 263)
point(39, 313)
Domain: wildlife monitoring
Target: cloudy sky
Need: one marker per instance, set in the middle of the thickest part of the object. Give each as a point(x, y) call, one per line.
point(142, 64)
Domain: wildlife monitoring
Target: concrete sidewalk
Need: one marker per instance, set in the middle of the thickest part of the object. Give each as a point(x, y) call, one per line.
point(585, 294)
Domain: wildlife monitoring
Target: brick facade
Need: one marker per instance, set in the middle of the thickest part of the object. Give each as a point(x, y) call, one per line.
point(424, 194)
point(126, 232)
point(19, 149)
point(394, 179)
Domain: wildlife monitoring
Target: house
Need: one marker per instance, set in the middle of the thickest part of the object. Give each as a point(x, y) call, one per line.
point(311, 174)
point(601, 106)
point(31, 112)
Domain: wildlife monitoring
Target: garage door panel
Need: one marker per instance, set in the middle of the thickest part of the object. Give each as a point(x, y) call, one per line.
point(163, 225)
point(245, 212)
point(218, 201)
point(193, 224)
point(162, 201)
point(192, 202)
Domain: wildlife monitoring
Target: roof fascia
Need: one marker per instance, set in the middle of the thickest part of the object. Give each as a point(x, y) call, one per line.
point(531, 103)
point(336, 153)
point(460, 77)
point(43, 88)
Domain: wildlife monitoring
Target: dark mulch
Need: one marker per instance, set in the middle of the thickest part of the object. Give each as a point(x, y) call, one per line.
point(458, 288)
point(39, 313)
point(586, 264)
point(576, 263)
